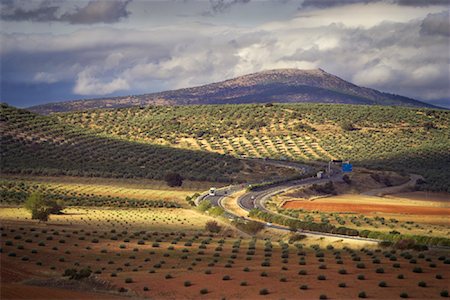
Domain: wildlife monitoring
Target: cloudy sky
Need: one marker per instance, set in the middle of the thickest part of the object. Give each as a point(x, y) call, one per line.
point(53, 50)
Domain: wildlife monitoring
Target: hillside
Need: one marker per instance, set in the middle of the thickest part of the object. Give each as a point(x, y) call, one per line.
point(281, 86)
point(34, 144)
point(403, 139)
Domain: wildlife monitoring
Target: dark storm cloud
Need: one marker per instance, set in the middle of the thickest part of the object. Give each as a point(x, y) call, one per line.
point(218, 6)
point(44, 13)
point(436, 24)
point(96, 11)
point(334, 3)
point(422, 2)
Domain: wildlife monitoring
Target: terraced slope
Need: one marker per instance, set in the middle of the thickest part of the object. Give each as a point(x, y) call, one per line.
point(410, 140)
point(34, 144)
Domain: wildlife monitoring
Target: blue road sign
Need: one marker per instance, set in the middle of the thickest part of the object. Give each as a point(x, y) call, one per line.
point(347, 167)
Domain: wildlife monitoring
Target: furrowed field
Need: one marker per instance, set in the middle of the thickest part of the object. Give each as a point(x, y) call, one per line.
point(173, 264)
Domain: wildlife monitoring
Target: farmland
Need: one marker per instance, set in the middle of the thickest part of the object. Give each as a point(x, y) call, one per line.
point(137, 237)
point(173, 264)
point(39, 145)
point(389, 138)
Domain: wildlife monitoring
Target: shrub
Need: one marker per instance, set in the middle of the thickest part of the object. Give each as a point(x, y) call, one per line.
point(204, 291)
point(361, 277)
point(263, 274)
point(168, 276)
point(342, 271)
point(342, 285)
point(379, 270)
point(403, 295)
point(302, 272)
point(264, 292)
point(422, 284)
point(417, 270)
point(323, 297)
point(321, 277)
point(187, 283)
point(226, 277)
point(362, 295)
point(243, 283)
point(128, 280)
point(173, 179)
point(146, 289)
point(444, 293)
point(382, 284)
point(213, 226)
point(77, 275)
point(400, 276)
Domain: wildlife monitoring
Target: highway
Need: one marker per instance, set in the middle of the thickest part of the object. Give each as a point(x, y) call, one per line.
point(256, 199)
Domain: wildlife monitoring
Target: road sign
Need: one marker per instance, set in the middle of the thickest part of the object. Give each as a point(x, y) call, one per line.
point(346, 167)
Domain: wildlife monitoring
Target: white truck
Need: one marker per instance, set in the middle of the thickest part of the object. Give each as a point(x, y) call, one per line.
point(212, 191)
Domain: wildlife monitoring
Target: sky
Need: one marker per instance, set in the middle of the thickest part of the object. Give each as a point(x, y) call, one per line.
point(54, 50)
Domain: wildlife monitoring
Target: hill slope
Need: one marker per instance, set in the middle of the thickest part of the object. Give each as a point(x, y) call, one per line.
point(398, 138)
point(34, 144)
point(281, 86)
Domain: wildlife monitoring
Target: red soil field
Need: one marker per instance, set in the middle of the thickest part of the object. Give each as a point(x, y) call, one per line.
point(367, 208)
point(136, 259)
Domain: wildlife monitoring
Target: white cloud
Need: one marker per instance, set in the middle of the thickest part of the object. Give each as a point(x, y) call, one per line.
point(45, 77)
point(88, 84)
point(380, 45)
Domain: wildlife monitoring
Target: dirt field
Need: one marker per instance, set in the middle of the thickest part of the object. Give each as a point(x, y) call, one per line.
point(164, 262)
point(414, 213)
point(421, 196)
point(329, 206)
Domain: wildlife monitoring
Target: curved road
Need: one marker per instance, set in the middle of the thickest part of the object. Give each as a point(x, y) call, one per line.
point(256, 199)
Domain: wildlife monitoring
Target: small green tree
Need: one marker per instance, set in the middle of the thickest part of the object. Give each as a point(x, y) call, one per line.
point(38, 207)
point(41, 208)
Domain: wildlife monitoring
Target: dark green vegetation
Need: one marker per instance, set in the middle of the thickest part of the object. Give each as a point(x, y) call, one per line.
point(13, 192)
point(33, 144)
point(283, 85)
point(390, 138)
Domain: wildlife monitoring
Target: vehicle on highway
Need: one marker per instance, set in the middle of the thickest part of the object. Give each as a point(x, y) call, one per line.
point(212, 191)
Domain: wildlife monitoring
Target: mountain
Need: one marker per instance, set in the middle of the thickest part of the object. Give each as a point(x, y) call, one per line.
point(281, 85)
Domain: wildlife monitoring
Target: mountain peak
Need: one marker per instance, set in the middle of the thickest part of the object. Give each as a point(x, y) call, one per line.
point(278, 85)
